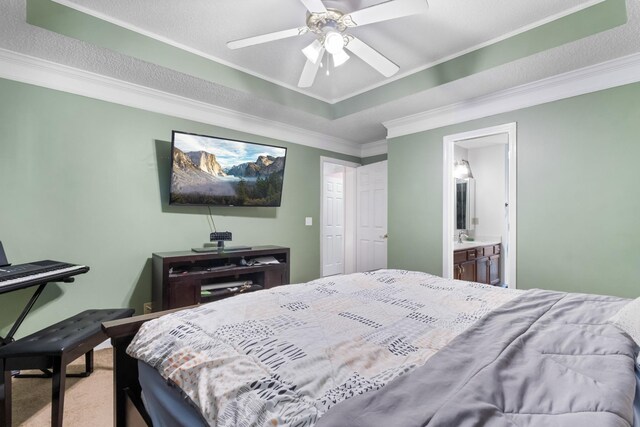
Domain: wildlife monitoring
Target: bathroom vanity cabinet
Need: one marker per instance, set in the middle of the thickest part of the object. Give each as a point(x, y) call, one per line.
point(478, 264)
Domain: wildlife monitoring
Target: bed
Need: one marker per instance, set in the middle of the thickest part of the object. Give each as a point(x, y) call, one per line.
point(387, 348)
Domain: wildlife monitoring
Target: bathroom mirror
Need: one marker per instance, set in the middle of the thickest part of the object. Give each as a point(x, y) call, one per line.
point(465, 203)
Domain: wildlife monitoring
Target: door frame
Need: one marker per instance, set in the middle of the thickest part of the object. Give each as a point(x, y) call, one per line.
point(349, 220)
point(448, 207)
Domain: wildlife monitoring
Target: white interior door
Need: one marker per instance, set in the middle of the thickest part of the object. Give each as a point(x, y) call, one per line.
point(372, 216)
point(333, 228)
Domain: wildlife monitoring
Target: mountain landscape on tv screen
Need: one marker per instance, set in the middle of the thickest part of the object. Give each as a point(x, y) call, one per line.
point(198, 178)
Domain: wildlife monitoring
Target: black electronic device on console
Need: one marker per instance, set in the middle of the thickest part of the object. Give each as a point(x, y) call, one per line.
point(221, 237)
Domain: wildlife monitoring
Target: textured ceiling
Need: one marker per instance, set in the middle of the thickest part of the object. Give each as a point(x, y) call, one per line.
point(361, 127)
point(447, 29)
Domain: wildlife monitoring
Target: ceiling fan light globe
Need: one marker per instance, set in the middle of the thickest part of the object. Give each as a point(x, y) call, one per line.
point(340, 58)
point(333, 42)
point(312, 52)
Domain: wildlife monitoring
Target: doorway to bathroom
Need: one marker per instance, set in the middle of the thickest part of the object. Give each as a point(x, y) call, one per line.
point(479, 205)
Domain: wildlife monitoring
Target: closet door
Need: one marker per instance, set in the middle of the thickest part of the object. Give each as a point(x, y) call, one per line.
point(333, 228)
point(372, 216)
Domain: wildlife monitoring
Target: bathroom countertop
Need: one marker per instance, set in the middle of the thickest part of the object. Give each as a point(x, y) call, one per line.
point(474, 244)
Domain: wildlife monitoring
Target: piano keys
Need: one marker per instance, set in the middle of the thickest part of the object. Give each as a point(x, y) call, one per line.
point(35, 273)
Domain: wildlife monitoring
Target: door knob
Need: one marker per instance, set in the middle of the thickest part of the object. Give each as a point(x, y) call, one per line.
point(385, 236)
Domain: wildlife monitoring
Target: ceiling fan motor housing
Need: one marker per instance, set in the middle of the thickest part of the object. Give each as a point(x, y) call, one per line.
point(331, 20)
point(328, 26)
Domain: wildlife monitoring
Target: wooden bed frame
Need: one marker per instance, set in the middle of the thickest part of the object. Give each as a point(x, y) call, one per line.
point(128, 409)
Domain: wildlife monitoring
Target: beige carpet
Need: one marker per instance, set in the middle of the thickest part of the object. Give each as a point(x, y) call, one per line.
point(87, 401)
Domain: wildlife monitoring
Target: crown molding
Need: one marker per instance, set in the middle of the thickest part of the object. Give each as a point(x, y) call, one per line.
point(39, 72)
point(606, 75)
point(374, 148)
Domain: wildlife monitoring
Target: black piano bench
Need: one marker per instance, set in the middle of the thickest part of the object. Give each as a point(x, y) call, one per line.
point(54, 348)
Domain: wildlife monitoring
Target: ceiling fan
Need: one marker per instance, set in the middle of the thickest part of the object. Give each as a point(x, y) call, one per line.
point(330, 26)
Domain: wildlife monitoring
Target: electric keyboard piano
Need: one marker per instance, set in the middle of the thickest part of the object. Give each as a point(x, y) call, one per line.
point(36, 273)
point(39, 273)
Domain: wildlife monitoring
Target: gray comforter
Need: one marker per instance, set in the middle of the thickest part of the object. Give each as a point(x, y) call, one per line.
point(544, 359)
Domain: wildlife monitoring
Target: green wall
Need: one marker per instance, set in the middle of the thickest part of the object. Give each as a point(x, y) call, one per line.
point(578, 199)
point(86, 181)
point(373, 159)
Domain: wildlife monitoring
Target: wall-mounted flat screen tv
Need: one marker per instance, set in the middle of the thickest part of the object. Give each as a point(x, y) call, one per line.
point(207, 170)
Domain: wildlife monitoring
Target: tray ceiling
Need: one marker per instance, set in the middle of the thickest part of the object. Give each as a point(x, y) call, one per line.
point(448, 29)
point(602, 32)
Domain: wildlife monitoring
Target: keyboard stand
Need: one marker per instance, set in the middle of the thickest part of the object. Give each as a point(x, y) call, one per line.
point(9, 337)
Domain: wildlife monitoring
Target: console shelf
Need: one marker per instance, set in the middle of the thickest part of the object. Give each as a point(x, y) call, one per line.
point(179, 276)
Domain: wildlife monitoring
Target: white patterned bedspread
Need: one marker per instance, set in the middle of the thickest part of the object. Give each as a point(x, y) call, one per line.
point(284, 356)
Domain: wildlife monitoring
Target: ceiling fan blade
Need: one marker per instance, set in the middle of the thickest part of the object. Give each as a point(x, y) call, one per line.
point(309, 72)
point(250, 41)
point(385, 11)
point(314, 6)
point(372, 57)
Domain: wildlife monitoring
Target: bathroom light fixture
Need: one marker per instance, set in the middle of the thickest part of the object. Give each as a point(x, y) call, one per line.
point(462, 170)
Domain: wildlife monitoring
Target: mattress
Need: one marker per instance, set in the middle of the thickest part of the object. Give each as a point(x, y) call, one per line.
point(322, 352)
point(166, 405)
point(169, 407)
